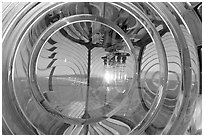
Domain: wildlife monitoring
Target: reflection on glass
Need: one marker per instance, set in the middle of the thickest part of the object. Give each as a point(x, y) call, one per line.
point(115, 76)
point(87, 71)
point(82, 82)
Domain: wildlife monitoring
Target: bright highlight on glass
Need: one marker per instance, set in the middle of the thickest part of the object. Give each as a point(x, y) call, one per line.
point(109, 77)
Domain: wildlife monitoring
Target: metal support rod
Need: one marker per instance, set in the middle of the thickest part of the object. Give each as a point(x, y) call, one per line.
point(86, 115)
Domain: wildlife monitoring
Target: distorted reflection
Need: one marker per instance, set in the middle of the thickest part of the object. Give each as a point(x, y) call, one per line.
point(107, 73)
point(80, 76)
point(89, 69)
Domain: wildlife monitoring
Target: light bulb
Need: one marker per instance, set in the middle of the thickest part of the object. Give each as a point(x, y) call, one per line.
point(115, 77)
point(109, 77)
